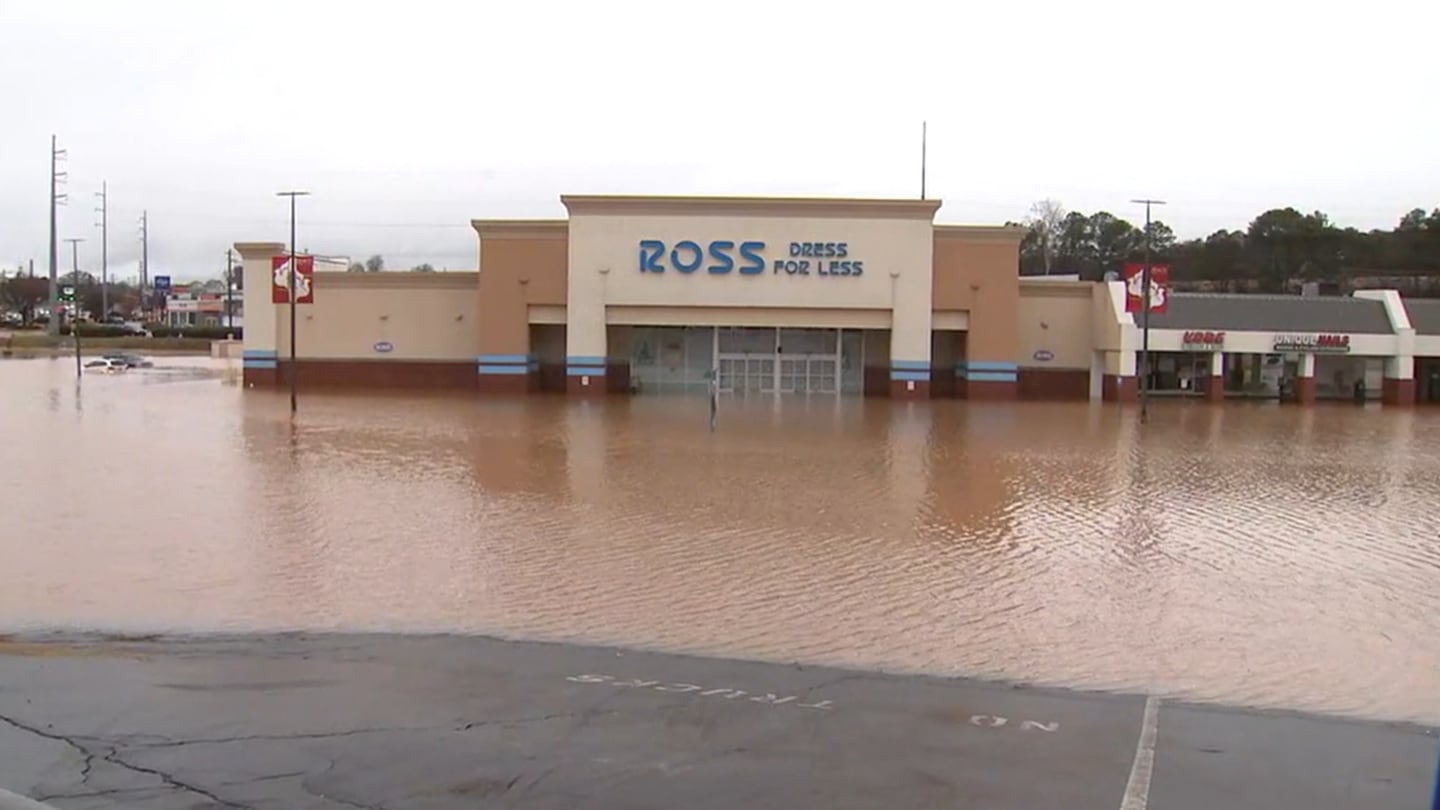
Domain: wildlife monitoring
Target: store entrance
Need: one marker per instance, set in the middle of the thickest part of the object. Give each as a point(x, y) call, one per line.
point(785, 361)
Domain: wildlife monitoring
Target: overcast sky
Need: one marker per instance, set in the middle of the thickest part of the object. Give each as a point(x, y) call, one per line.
point(406, 120)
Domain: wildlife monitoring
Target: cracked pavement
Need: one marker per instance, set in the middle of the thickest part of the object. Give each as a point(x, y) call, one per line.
point(399, 722)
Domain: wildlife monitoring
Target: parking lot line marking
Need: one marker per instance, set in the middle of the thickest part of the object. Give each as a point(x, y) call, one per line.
point(1137, 789)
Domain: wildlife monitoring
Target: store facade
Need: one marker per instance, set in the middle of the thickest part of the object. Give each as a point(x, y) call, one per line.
point(807, 297)
point(656, 294)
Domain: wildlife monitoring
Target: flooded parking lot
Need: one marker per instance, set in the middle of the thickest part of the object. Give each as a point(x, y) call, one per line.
point(1249, 554)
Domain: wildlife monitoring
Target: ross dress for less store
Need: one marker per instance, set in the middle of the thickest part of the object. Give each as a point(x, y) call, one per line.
point(651, 295)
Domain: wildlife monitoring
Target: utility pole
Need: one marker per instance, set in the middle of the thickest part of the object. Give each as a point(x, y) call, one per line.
point(144, 260)
point(1145, 316)
point(56, 198)
point(924, 126)
point(291, 280)
point(229, 290)
point(104, 225)
point(75, 299)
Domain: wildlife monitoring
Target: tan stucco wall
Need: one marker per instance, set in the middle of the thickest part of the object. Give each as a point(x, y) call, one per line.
point(522, 264)
point(977, 270)
point(424, 316)
point(1056, 317)
point(891, 238)
point(260, 315)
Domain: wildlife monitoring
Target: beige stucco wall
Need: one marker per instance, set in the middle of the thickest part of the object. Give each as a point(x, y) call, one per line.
point(260, 315)
point(424, 316)
point(895, 246)
point(1056, 317)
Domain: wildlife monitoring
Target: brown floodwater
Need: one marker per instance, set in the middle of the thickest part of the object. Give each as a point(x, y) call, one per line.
point(1247, 554)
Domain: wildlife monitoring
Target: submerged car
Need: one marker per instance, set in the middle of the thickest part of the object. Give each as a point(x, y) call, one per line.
point(108, 365)
point(129, 360)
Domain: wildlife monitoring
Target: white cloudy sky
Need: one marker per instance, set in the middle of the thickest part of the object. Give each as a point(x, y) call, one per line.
point(406, 120)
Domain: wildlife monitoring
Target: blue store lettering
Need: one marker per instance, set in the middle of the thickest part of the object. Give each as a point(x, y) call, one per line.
point(688, 256)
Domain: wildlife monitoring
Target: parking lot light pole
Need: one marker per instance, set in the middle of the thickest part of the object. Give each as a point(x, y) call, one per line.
point(1144, 374)
point(290, 281)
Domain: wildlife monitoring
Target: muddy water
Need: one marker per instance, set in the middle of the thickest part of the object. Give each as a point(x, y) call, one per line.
point(1245, 554)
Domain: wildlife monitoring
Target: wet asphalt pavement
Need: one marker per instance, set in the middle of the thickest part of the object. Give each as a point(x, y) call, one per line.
point(454, 722)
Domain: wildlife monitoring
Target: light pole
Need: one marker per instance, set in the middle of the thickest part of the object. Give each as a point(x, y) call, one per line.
point(1145, 316)
point(75, 303)
point(290, 281)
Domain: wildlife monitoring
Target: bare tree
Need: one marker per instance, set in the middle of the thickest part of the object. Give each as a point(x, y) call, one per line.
point(374, 264)
point(1047, 222)
point(423, 268)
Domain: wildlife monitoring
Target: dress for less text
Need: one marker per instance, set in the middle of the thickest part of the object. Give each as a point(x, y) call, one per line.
point(719, 257)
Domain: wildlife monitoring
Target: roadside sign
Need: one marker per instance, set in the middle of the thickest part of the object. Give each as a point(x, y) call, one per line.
point(162, 284)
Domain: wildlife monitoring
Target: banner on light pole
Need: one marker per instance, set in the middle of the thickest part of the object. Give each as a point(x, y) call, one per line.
point(304, 280)
point(1159, 288)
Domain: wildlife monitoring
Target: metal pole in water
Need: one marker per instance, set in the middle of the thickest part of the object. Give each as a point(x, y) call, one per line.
point(714, 397)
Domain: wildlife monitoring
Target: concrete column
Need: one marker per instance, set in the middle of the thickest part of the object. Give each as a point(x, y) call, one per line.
point(910, 336)
point(1215, 382)
point(1399, 386)
point(585, 343)
point(261, 346)
point(1305, 380)
point(1119, 384)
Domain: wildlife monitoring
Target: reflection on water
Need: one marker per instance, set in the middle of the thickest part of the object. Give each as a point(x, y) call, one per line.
point(1248, 554)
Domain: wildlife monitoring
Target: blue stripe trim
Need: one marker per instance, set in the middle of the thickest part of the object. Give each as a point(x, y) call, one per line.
point(260, 354)
point(584, 360)
point(910, 365)
point(987, 365)
point(505, 358)
point(913, 376)
point(585, 371)
point(991, 376)
point(489, 369)
point(260, 364)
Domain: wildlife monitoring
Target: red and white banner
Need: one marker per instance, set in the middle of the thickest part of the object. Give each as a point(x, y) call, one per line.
point(1135, 287)
point(304, 280)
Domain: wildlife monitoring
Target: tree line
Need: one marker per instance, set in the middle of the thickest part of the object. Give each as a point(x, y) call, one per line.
point(376, 264)
point(1279, 250)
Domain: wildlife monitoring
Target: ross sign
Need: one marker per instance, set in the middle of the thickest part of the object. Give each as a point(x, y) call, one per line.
point(720, 258)
point(1329, 344)
point(304, 280)
point(1202, 340)
point(1159, 287)
point(384, 347)
point(1044, 356)
point(162, 284)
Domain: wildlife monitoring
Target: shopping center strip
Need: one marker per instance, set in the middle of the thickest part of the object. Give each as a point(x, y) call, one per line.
point(642, 295)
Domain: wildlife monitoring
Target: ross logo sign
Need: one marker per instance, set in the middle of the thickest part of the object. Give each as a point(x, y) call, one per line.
point(723, 256)
point(1135, 288)
point(304, 280)
point(1202, 340)
point(162, 285)
point(1044, 356)
point(1331, 344)
point(384, 347)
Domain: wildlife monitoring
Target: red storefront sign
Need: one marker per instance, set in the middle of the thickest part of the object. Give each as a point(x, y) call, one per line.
point(1135, 287)
point(1206, 339)
point(304, 280)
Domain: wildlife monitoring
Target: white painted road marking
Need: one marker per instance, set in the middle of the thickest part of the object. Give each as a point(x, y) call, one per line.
point(993, 721)
point(1137, 790)
point(767, 698)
